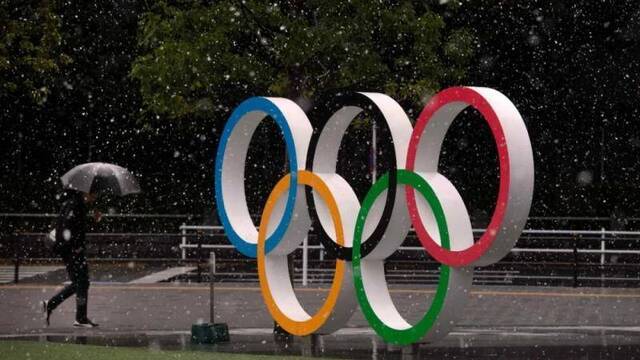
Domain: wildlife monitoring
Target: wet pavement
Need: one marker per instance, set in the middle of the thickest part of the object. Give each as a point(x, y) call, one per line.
point(498, 322)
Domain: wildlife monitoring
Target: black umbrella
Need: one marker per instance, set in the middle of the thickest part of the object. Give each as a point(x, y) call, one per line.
point(99, 177)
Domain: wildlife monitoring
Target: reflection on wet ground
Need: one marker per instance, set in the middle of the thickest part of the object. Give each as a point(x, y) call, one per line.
point(514, 343)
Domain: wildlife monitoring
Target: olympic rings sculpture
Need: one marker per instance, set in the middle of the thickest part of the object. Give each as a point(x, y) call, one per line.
point(362, 236)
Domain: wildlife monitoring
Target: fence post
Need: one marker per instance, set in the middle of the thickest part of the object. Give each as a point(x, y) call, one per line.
point(305, 260)
point(602, 247)
point(199, 239)
point(575, 261)
point(602, 258)
point(184, 241)
point(16, 270)
point(212, 274)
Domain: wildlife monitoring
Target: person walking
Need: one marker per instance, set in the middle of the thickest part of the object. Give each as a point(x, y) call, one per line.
point(82, 184)
point(70, 245)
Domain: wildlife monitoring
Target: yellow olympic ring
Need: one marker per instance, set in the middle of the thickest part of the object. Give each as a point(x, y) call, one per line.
point(293, 318)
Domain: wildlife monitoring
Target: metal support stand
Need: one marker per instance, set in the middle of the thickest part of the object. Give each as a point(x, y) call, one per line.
point(408, 352)
point(312, 345)
point(212, 332)
point(280, 335)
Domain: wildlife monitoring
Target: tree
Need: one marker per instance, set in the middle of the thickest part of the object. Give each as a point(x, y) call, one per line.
point(31, 62)
point(30, 51)
point(200, 57)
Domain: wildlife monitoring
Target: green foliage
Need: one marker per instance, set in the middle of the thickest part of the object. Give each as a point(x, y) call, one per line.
point(30, 53)
point(198, 58)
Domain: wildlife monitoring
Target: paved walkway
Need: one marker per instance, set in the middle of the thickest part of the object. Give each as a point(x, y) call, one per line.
point(497, 315)
point(176, 307)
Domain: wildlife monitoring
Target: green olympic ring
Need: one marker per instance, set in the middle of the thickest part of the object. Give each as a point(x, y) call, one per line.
point(414, 333)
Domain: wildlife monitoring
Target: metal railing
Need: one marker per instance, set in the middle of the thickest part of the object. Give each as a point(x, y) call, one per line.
point(599, 244)
point(602, 236)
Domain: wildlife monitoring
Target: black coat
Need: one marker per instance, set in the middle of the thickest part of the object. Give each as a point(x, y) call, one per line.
point(72, 225)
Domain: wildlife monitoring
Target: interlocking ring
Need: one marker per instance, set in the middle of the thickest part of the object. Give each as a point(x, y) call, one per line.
point(371, 287)
point(361, 237)
point(273, 268)
point(516, 174)
point(231, 158)
point(330, 125)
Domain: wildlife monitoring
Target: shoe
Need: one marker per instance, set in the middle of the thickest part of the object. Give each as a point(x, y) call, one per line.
point(84, 324)
point(46, 311)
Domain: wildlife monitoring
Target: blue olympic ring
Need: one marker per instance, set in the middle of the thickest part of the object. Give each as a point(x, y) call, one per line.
point(264, 105)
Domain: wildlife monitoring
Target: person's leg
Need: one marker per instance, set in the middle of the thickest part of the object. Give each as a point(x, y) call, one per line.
point(68, 290)
point(82, 281)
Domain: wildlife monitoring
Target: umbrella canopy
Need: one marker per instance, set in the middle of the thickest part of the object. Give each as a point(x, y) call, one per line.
point(99, 177)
